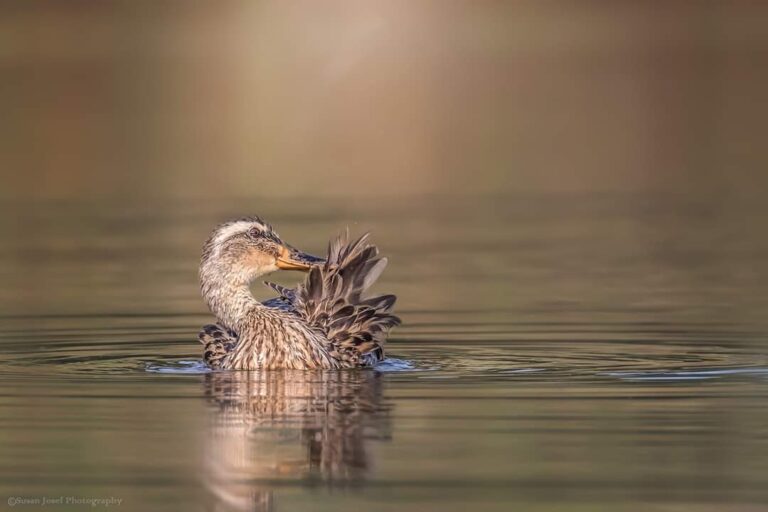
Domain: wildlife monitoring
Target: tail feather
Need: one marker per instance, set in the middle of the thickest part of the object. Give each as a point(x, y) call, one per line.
point(217, 342)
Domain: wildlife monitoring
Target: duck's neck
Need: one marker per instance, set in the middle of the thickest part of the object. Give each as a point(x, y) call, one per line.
point(229, 299)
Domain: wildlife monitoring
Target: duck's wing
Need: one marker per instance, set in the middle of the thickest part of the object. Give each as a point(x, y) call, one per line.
point(218, 341)
point(331, 300)
point(284, 300)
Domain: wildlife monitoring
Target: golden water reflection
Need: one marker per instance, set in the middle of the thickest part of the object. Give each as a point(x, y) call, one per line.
point(275, 428)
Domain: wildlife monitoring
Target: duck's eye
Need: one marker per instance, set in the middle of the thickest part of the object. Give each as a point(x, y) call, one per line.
point(254, 233)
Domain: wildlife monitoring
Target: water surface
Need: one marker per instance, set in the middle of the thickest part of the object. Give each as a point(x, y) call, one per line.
point(558, 351)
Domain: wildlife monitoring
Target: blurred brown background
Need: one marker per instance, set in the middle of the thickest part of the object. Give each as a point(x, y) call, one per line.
point(571, 195)
point(146, 98)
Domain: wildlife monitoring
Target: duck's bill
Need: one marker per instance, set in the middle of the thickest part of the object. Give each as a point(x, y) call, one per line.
point(293, 259)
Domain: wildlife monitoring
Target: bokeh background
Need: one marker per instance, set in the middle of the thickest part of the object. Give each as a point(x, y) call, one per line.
point(302, 98)
point(130, 128)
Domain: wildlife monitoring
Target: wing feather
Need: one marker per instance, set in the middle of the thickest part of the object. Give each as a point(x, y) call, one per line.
point(331, 300)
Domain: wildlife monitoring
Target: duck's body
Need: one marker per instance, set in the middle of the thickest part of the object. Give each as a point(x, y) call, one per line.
point(323, 323)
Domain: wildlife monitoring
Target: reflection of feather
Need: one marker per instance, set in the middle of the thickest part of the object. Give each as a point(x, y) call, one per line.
point(290, 425)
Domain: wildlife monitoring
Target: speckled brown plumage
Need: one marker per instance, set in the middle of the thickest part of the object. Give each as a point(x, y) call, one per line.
point(324, 323)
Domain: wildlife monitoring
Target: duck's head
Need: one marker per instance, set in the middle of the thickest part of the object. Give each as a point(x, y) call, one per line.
point(239, 251)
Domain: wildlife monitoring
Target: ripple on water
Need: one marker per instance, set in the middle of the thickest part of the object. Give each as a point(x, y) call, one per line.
point(180, 367)
point(196, 366)
point(704, 374)
point(122, 347)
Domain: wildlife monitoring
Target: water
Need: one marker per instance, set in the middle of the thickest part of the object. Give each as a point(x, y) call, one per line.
point(558, 351)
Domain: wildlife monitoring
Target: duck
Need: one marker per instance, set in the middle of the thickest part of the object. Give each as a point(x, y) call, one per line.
point(325, 322)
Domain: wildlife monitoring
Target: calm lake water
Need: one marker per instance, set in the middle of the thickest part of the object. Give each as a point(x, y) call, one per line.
point(558, 351)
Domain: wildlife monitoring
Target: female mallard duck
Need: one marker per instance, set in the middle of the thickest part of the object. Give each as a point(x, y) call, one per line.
point(323, 323)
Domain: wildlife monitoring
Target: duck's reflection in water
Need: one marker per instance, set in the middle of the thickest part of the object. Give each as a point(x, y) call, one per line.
point(275, 428)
